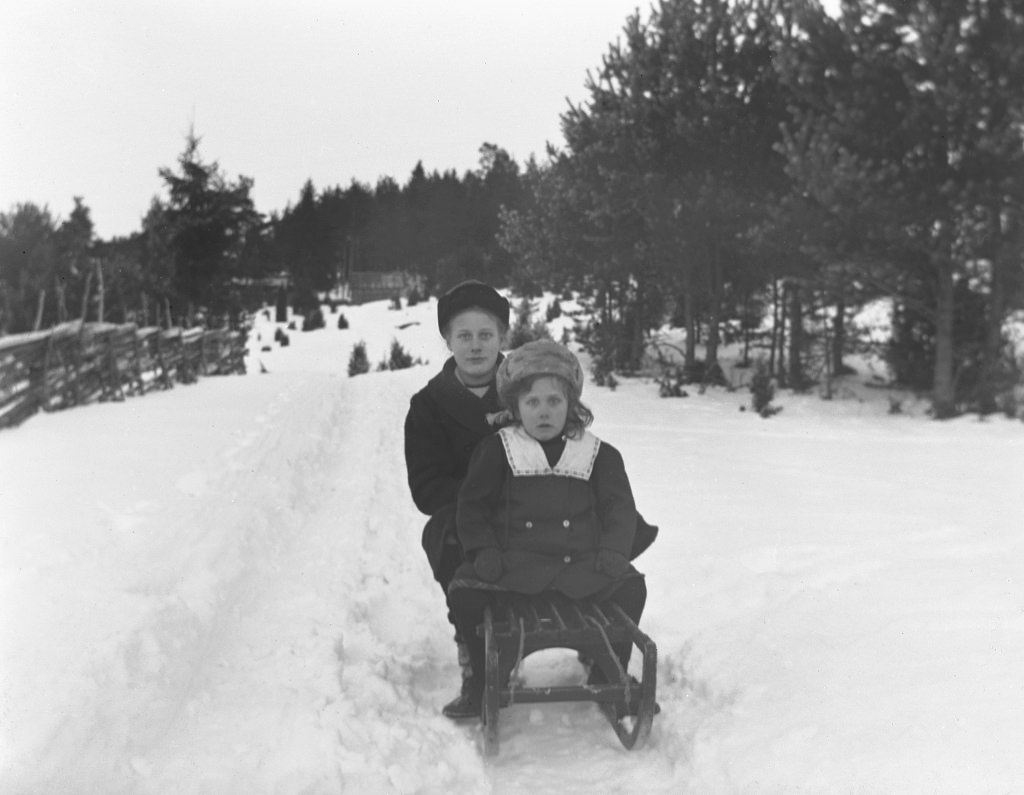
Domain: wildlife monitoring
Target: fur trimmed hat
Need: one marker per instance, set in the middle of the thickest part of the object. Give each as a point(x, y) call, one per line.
point(471, 295)
point(540, 357)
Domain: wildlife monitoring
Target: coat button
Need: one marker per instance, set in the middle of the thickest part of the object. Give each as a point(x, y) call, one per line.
point(567, 559)
point(565, 523)
point(529, 524)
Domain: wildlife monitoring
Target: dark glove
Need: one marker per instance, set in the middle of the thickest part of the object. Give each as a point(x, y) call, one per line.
point(487, 564)
point(610, 562)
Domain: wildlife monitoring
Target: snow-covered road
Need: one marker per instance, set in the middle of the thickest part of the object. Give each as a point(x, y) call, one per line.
point(220, 589)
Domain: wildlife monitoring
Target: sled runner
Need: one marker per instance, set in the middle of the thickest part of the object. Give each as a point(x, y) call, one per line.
point(520, 625)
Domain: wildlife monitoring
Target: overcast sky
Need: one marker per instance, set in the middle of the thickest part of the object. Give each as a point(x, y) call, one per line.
point(96, 96)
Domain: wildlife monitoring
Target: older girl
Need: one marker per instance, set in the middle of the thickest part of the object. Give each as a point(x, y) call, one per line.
point(447, 418)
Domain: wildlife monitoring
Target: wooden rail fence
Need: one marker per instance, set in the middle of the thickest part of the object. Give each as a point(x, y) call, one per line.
point(76, 363)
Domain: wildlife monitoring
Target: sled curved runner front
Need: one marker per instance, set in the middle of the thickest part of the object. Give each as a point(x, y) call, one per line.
point(520, 625)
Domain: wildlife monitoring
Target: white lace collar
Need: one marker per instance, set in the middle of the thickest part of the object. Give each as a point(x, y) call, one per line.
point(526, 456)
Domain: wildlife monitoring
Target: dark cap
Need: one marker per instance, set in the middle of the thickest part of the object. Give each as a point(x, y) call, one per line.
point(471, 295)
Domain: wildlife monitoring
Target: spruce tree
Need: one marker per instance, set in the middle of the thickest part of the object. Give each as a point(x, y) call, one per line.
point(358, 361)
point(207, 219)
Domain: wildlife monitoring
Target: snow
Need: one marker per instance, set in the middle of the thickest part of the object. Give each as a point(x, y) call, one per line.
point(220, 589)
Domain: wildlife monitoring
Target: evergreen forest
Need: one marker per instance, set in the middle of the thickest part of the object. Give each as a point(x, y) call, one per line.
point(734, 160)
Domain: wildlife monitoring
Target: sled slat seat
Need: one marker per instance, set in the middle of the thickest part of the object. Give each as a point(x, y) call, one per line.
point(519, 625)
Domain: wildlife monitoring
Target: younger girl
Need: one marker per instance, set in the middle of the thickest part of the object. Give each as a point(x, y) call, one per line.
point(545, 506)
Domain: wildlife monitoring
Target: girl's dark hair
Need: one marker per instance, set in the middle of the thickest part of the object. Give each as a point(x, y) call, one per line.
point(578, 416)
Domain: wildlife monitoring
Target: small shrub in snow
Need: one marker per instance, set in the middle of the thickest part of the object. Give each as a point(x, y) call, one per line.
point(413, 298)
point(358, 361)
point(342, 321)
point(281, 337)
point(671, 383)
point(554, 311)
point(895, 405)
point(313, 320)
point(398, 359)
point(396, 302)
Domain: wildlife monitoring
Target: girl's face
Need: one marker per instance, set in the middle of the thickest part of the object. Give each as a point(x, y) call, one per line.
point(475, 341)
point(543, 409)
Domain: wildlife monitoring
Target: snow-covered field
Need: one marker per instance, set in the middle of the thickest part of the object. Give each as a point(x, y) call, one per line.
point(220, 589)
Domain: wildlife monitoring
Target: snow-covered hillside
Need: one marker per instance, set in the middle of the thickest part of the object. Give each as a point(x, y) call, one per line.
point(220, 589)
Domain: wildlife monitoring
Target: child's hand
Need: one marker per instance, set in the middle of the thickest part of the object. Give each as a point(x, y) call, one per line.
point(610, 562)
point(487, 564)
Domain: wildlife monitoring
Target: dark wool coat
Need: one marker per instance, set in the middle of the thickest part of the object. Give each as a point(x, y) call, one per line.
point(444, 424)
point(548, 527)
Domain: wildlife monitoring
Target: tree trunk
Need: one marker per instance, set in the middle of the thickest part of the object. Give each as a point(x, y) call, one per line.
point(714, 311)
point(62, 302)
point(1001, 264)
point(85, 295)
point(773, 350)
point(989, 385)
point(838, 337)
point(690, 318)
point(943, 386)
point(121, 302)
point(796, 336)
point(746, 332)
point(639, 323)
point(828, 359)
point(782, 325)
point(39, 311)
point(99, 286)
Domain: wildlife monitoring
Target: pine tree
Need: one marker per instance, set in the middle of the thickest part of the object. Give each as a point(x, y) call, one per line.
point(74, 281)
point(358, 361)
point(398, 358)
point(206, 222)
point(907, 136)
point(670, 164)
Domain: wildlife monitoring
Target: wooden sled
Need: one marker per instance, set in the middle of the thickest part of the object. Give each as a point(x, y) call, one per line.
point(520, 625)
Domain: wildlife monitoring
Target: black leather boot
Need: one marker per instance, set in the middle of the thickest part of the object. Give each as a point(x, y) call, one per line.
point(468, 703)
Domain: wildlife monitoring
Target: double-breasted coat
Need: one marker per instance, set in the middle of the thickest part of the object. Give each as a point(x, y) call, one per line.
point(548, 527)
